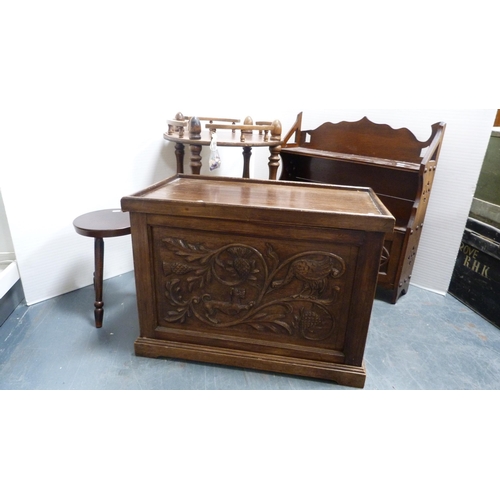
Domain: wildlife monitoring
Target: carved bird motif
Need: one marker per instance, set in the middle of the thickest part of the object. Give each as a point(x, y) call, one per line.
point(313, 273)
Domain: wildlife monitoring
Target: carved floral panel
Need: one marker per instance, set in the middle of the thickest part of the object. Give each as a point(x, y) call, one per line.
point(275, 289)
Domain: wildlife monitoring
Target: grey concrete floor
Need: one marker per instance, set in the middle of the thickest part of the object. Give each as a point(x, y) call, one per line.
point(424, 342)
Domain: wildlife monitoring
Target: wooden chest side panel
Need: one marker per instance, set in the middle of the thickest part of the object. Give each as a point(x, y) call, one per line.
point(143, 271)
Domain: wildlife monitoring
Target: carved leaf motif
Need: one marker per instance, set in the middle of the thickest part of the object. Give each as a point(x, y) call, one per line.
point(258, 326)
point(285, 326)
point(272, 256)
point(190, 251)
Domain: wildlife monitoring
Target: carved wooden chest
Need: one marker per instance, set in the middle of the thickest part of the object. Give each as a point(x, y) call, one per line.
point(266, 275)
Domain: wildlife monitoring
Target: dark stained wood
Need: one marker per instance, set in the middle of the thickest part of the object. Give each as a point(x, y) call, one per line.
point(103, 223)
point(394, 163)
point(258, 274)
point(247, 153)
point(99, 225)
point(230, 133)
point(179, 157)
point(98, 281)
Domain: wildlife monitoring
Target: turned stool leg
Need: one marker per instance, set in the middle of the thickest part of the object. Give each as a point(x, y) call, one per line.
point(247, 153)
point(179, 155)
point(195, 159)
point(99, 225)
point(98, 279)
point(274, 161)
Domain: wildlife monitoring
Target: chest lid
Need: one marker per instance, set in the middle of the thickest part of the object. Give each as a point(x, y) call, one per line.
point(318, 205)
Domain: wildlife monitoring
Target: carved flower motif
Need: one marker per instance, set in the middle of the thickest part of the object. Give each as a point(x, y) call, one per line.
point(242, 264)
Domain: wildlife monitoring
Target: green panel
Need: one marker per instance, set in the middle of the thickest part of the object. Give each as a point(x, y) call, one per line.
point(488, 186)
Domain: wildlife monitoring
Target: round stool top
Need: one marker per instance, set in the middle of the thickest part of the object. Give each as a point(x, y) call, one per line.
point(103, 223)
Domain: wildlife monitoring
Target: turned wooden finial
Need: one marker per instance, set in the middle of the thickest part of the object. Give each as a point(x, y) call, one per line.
point(276, 131)
point(247, 121)
point(177, 125)
point(194, 128)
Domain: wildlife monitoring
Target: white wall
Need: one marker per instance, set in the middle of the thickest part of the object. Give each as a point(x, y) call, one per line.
point(6, 244)
point(90, 85)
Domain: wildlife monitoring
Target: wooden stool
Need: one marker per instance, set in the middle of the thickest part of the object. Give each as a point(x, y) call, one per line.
point(99, 225)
